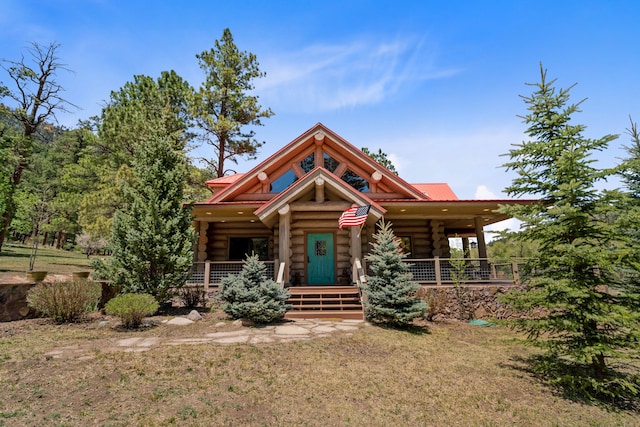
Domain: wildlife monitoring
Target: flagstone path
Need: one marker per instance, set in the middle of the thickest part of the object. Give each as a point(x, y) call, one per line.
point(294, 330)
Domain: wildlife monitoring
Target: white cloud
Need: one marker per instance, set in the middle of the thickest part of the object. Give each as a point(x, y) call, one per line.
point(332, 77)
point(484, 193)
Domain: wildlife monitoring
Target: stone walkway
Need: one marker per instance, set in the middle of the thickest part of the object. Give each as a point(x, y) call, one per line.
point(295, 330)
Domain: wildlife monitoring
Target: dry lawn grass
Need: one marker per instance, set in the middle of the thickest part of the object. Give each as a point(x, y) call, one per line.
point(451, 375)
point(14, 259)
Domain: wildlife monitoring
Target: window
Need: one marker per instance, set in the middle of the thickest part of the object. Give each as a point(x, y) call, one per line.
point(240, 247)
point(283, 181)
point(405, 244)
point(330, 163)
point(308, 163)
point(356, 181)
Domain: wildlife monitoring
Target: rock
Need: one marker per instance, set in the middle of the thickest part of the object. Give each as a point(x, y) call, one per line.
point(480, 313)
point(248, 322)
point(103, 323)
point(243, 322)
point(194, 316)
point(291, 330)
point(180, 321)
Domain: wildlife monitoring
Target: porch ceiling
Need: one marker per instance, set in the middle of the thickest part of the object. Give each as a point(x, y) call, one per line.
point(458, 216)
point(226, 212)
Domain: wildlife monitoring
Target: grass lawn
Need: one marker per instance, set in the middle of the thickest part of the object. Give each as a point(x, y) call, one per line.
point(14, 259)
point(450, 374)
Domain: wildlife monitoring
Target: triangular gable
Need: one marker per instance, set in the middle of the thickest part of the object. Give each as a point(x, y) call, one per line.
point(319, 135)
point(268, 212)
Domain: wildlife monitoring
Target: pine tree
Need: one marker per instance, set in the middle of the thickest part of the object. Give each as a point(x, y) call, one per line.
point(152, 237)
point(589, 315)
point(390, 294)
point(250, 295)
point(224, 105)
point(630, 168)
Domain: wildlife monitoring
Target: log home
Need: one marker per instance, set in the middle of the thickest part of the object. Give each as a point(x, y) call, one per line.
point(286, 210)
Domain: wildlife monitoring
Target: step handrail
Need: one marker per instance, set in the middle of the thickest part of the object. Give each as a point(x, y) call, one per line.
point(280, 279)
point(360, 278)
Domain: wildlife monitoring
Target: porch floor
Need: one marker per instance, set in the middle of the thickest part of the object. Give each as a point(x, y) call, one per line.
point(325, 302)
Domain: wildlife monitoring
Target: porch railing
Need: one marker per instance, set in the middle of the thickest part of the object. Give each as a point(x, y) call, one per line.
point(446, 271)
point(211, 273)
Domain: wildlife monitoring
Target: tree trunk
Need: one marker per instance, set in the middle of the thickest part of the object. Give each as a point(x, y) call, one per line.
point(599, 366)
point(61, 236)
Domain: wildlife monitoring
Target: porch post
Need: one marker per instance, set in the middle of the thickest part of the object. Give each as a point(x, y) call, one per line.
point(355, 244)
point(284, 239)
point(482, 247)
point(207, 275)
point(465, 247)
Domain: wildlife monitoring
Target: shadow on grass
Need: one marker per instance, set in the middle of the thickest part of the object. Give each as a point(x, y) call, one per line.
point(619, 390)
point(11, 254)
point(410, 328)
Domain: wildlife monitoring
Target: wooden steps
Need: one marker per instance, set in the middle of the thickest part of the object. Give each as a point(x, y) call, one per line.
point(323, 302)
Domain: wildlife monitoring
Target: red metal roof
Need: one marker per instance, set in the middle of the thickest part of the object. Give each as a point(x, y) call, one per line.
point(225, 180)
point(437, 191)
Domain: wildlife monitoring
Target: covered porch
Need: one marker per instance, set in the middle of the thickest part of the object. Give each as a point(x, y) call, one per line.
point(426, 271)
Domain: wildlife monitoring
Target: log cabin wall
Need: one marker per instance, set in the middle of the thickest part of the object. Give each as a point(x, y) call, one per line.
point(440, 241)
point(419, 230)
point(218, 234)
point(428, 237)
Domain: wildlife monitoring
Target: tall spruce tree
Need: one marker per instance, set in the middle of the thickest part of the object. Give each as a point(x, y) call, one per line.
point(589, 315)
point(628, 218)
point(630, 168)
point(390, 294)
point(152, 237)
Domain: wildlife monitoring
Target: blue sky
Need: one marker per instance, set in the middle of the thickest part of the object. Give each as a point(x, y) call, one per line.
point(435, 84)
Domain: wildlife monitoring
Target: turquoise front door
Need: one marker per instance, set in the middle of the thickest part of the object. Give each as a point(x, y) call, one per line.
point(320, 259)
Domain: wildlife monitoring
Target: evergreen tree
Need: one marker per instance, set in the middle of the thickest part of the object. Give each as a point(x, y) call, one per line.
point(222, 105)
point(390, 294)
point(37, 97)
point(628, 218)
point(630, 168)
point(152, 237)
point(381, 158)
point(250, 295)
point(589, 315)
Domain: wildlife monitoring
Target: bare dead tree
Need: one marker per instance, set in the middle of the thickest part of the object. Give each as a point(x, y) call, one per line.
point(37, 96)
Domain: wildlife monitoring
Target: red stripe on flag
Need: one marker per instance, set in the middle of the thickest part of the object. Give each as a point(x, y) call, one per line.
point(354, 216)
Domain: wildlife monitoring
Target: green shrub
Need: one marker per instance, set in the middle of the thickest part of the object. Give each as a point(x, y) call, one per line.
point(65, 301)
point(132, 308)
point(251, 295)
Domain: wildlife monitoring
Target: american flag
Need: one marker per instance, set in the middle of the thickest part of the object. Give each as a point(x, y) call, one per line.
point(354, 216)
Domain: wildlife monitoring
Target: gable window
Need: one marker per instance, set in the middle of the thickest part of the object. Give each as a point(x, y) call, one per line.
point(283, 181)
point(308, 163)
point(356, 181)
point(330, 163)
point(240, 247)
